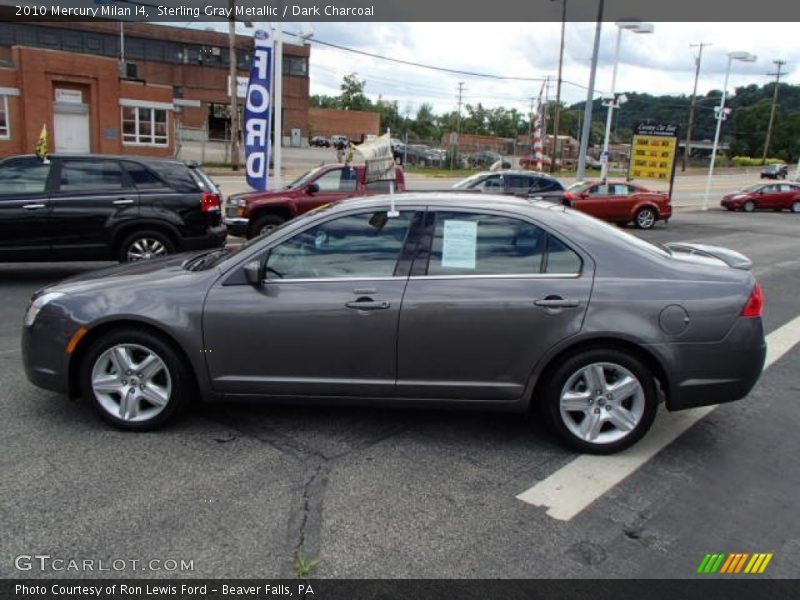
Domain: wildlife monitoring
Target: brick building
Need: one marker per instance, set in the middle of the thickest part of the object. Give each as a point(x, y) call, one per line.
point(352, 123)
point(67, 75)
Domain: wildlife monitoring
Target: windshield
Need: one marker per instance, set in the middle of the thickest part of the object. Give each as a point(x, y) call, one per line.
point(469, 182)
point(753, 188)
point(577, 186)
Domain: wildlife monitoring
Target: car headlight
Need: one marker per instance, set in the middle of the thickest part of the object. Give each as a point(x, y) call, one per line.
point(241, 202)
point(39, 304)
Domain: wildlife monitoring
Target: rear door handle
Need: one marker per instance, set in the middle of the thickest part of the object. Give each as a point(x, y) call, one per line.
point(368, 304)
point(33, 206)
point(557, 302)
point(121, 201)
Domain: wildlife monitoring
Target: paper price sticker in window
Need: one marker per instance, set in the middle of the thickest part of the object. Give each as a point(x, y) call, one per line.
point(459, 245)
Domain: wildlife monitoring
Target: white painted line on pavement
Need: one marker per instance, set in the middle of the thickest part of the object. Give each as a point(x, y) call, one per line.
point(580, 482)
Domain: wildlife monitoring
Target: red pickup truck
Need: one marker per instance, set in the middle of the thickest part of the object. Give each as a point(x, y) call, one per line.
point(253, 213)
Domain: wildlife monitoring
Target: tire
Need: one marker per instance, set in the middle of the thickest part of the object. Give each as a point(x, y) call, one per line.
point(265, 224)
point(749, 206)
point(167, 380)
point(636, 409)
point(144, 245)
point(796, 207)
point(645, 218)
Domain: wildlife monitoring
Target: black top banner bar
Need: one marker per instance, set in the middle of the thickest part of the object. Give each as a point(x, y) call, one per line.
point(401, 10)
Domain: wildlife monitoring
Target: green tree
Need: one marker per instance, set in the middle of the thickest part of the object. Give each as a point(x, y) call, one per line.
point(424, 126)
point(352, 96)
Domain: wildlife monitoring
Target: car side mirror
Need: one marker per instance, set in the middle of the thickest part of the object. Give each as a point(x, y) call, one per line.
point(312, 188)
point(254, 274)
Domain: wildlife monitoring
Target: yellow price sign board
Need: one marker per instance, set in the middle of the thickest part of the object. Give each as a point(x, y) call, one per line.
point(653, 151)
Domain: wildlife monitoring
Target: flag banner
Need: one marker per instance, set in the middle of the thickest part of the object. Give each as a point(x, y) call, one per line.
point(257, 114)
point(42, 144)
point(378, 159)
point(537, 132)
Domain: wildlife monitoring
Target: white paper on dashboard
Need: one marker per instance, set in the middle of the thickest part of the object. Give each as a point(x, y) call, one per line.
point(460, 242)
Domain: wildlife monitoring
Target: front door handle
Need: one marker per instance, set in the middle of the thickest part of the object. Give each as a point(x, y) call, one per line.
point(368, 304)
point(33, 206)
point(122, 201)
point(557, 302)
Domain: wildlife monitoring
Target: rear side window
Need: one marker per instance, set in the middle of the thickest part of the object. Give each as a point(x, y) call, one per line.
point(90, 176)
point(480, 244)
point(142, 177)
point(542, 184)
point(560, 259)
point(23, 176)
point(176, 175)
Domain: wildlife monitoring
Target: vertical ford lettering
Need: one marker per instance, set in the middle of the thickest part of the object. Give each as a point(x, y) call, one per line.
point(257, 114)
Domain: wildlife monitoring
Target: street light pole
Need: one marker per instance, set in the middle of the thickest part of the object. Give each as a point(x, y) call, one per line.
point(636, 27)
point(687, 150)
point(721, 115)
point(587, 109)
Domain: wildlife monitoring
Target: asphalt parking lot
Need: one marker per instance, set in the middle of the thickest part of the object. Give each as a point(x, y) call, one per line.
point(239, 490)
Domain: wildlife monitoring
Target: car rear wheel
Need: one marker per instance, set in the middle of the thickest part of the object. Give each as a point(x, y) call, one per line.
point(601, 401)
point(144, 245)
point(135, 380)
point(749, 206)
point(265, 224)
point(645, 218)
point(796, 206)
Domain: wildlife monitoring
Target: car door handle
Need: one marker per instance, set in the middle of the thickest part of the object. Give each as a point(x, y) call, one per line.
point(121, 201)
point(368, 304)
point(33, 206)
point(557, 302)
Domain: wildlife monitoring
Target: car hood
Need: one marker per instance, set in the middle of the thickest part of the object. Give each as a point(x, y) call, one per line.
point(152, 273)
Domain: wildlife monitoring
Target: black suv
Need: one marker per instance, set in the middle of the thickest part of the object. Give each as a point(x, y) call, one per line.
point(102, 207)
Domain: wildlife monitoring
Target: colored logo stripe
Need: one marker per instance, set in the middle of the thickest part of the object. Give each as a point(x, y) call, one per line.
point(734, 563)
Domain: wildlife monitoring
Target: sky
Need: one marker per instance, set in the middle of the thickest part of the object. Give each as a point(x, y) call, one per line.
point(658, 63)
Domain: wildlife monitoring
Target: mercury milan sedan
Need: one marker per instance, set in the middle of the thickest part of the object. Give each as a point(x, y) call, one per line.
point(454, 299)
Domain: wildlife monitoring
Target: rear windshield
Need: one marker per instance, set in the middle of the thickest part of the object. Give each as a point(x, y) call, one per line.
point(203, 180)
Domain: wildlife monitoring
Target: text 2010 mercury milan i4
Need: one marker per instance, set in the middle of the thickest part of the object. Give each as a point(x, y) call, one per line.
point(488, 302)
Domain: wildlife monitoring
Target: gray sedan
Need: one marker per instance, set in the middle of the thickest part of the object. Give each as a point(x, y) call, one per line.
point(457, 300)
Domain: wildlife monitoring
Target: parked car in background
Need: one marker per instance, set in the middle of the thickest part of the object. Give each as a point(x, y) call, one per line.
point(775, 171)
point(764, 196)
point(529, 162)
point(104, 207)
point(340, 141)
point(255, 213)
point(320, 141)
point(459, 300)
point(518, 183)
point(620, 203)
point(483, 159)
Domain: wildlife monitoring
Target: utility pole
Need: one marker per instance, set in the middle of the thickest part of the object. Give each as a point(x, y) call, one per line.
point(234, 88)
point(587, 110)
point(556, 116)
point(458, 128)
point(778, 74)
point(530, 130)
point(544, 113)
point(688, 146)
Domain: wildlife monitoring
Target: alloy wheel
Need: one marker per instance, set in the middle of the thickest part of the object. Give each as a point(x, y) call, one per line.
point(145, 248)
point(602, 403)
point(131, 382)
point(646, 218)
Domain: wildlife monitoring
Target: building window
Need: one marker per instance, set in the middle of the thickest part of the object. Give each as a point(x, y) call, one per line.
point(295, 65)
point(144, 126)
point(5, 130)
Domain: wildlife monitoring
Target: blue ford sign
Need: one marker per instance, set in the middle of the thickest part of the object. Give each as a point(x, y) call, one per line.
point(257, 112)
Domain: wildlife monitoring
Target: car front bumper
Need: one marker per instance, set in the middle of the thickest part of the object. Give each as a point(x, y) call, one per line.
point(237, 226)
point(725, 371)
point(44, 354)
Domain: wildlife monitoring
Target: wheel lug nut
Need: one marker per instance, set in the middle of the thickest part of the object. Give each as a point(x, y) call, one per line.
point(597, 411)
point(124, 382)
point(609, 396)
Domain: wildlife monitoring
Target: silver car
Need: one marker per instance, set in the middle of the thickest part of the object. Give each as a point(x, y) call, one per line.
point(490, 302)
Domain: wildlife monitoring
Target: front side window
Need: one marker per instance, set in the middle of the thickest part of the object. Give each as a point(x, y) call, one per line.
point(23, 176)
point(147, 126)
point(86, 176)
point(354, 246)
point(5, 130)
point(338, 180)
point(599, 190)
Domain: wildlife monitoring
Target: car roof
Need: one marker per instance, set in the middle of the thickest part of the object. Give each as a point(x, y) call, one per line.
point(131, 157)
point(523, 172)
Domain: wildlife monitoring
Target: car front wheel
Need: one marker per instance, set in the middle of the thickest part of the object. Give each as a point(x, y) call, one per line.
point(796, 206)
point(135, 380)
point(601, 401)
point(265, 224)
point(645, 218)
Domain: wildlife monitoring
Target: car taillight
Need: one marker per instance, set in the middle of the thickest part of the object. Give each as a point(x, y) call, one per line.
point(568, 196)
point(209, 202)
point(754, 303)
